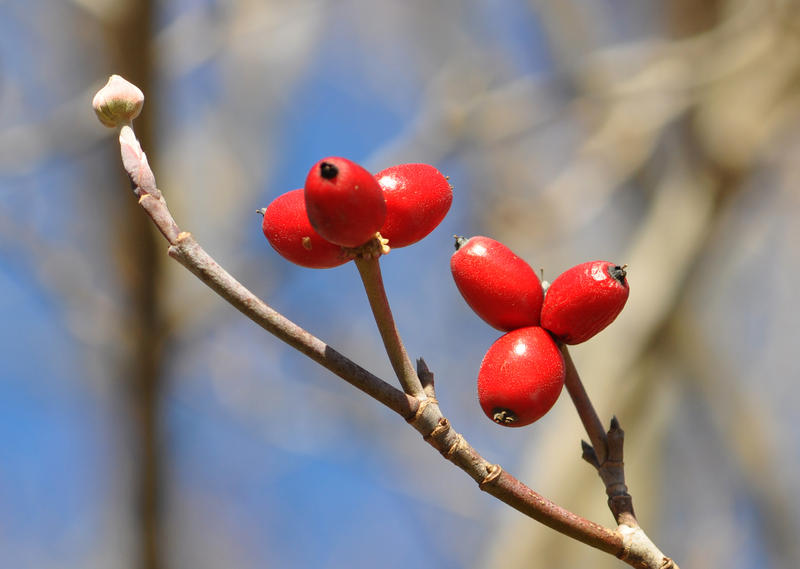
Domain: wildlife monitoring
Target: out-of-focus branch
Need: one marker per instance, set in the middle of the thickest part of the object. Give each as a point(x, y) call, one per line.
point(744, 427)
point(139, 256)
point(630, 544)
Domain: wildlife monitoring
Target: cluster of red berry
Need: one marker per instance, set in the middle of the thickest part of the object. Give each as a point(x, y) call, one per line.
point(343, 210)
point(522, 373)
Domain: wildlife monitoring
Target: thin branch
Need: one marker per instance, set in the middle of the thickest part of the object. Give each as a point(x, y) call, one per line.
point(192, 256)
point(606, 451)
point(369, 269)
point(591, 422)
point(629, 544)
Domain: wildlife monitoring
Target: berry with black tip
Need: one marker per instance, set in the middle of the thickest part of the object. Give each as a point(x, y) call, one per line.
point(344, 202)
point(583, 300)
point(499, 286)
point(521, 377)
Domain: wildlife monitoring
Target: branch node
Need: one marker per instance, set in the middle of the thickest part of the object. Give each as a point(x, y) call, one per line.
point(493, 473)
point(421, 409)
point(617, 490)
point(458, 444)
point(441, 427)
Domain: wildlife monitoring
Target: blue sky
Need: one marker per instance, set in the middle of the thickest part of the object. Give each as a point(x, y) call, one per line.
point(270, 460)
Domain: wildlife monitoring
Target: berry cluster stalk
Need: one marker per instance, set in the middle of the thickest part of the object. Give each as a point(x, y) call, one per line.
point(605, 452)
point(589, 418)
point(369, 269)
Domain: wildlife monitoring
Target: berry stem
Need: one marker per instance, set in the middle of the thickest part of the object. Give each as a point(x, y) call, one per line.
point(370, 270)
point(591, 422)
point(605, 452)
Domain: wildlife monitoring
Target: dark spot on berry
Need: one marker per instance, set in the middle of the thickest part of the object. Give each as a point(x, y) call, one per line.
point(328, 170)
point(503, 416)
point(460, 241)
point(618, 273)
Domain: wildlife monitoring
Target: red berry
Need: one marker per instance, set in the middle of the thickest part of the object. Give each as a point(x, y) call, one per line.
point(521, 377)
point(344, 202)
point(288, 230)
point(499, 286)
point(417, 197)
point(583, 300)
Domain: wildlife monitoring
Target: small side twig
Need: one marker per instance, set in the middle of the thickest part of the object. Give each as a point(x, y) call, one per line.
point(426, 377)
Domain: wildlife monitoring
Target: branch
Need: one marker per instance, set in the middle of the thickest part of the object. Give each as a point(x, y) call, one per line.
point(369, 269)
point(605, 451)
point(606, 455)
point(422, 413)
point(591, 422)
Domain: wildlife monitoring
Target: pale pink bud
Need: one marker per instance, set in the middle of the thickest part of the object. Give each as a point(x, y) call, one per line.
point(118, 103)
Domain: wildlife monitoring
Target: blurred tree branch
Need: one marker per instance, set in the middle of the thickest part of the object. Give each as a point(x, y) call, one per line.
point(129, 32)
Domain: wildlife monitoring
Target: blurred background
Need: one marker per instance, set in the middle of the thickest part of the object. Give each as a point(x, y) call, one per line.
point(145, 424)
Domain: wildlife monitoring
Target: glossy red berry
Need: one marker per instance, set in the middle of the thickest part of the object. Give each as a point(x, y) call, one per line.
point(417, 197)
point(583, 300)
point(521, 377)
point(344, 202)
point(499, 286)
point(288, 230)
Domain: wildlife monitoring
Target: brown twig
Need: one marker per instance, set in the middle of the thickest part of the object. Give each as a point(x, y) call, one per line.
point(192, 256)
point(369, 269)
point(627, 543)
point(591, 422)
point(605, 452)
